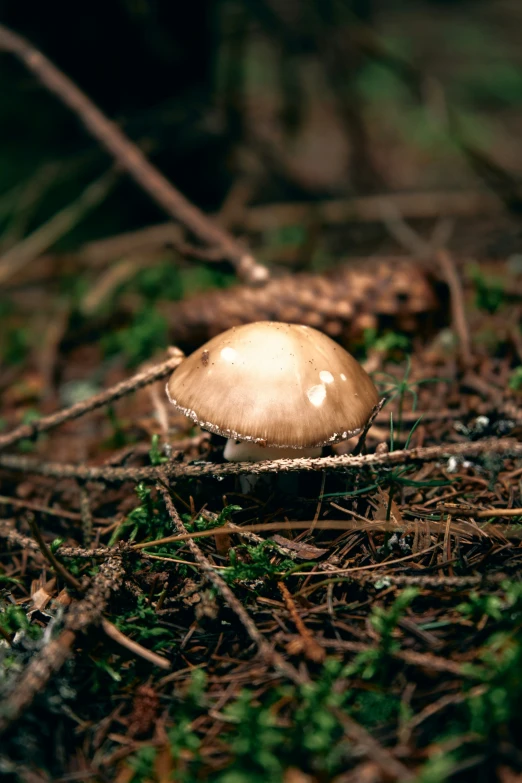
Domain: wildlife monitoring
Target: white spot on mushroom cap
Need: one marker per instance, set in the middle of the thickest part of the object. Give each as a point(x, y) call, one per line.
point(326, 376)
point(343, 376)
point(317, 394)
point(228, 354)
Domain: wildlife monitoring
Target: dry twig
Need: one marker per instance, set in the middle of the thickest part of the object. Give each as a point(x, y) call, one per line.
point(507, 447)
point(99, 400)
point(130, 157)
point(49, 556)
point(382, 757)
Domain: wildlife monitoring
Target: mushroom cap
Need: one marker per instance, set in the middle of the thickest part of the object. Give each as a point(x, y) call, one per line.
point(275, 384)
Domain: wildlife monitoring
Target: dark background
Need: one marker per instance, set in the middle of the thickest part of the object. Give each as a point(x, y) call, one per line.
point(195, 83)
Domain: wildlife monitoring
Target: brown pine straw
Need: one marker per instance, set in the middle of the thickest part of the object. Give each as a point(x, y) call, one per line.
point(306, 642)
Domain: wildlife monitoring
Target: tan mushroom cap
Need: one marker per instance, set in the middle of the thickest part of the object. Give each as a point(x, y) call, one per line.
point(275, 384)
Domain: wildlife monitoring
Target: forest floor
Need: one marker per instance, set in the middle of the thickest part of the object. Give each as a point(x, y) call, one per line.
point(359, 623)
point(364, 626)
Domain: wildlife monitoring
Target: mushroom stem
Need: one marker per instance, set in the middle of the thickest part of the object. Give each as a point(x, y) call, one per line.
point(246, 451)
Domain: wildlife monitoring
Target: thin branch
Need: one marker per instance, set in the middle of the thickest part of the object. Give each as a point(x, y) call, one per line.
point(381, 756)
point(51, 559)
point(99, 400)
point(130, 157)
point(28, 505)
point(405, 235)
point(508, 447)
point(135, 648)
point(422, 204)
point(362, 437)
point(458, 311)
point(412, 241)
point(410, 657)
point(271, 657)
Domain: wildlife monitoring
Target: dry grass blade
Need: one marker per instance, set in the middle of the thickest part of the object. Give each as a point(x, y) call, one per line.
point(28, 249)
point(133, 647)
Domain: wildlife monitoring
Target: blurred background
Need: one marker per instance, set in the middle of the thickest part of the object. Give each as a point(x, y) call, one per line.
point(282, 119)
point(307, 99)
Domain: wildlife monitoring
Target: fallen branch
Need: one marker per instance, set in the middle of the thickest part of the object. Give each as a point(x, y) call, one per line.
point(507, 447)
point(99, 400)
point(130, 157)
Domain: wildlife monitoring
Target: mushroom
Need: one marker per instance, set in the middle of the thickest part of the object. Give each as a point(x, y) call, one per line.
point(274, 390)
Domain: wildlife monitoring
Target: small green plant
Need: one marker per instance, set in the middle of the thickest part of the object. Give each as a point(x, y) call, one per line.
point(156, 455)
point(385, 343)
point(104, 675)
point(477, 606)
point(374, 663)
point(28, 444)
point(489, 291)
point(257, 563)
point(503, 607)
point(399, 388)
point(437, 769)
point(309, 733)
point(142, 519)
point(14, 619)
point(141, 623)
point(317, 724)
point(495, 709)
point(515, 381)
point(206, 522)
point(256, 742)
point(141, 339)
